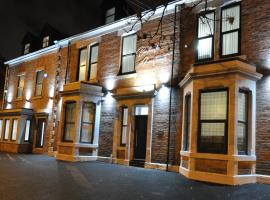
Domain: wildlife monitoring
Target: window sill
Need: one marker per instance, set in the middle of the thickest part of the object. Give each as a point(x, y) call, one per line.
point(127, 75)
point(37, 97)
point(18, 99)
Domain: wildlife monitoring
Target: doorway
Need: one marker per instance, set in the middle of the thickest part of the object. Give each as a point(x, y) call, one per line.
point(140, 135)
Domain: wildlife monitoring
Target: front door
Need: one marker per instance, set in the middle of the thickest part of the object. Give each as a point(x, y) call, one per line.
point(140, 137)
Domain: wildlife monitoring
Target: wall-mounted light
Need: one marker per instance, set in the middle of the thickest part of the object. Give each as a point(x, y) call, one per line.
point(45, 75)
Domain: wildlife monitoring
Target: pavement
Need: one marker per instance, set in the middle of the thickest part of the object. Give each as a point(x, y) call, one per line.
point(38, 177)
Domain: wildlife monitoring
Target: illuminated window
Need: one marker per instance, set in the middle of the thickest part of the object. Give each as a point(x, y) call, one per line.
point(1, 128)
point(82, 64)
point(206, 30)
point(93, 63)
point(110, 16)
point(69, 126)
point(242, 125)
point(128, 54)
point(45, 42)
point(230, 30)
point(88, 123)
point(20, 86)
point(141, 110)
point(187, 122)
point(14, 129)
point(27, 48)
point(124, 123)
point(39, 83)
point(40, 132)
point(27, 131)
point(213, 121)
point(7, 125)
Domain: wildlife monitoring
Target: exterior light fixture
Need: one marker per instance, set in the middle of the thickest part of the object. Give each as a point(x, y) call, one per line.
point(45, 75)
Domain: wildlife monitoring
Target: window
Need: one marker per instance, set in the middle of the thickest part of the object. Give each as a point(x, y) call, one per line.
point(213, 121)
point(40, 132)
point(141, 110)
point(187, 122)
point(6, 136)
point(45, 42)
point(14, 129)
point(110, 16)
point(27, 48)
point(230, 30)
point(124, 123)
point(20, 86)
point(242, 124)
point(27, 131)
point(1, 128)
point(39, 81)
point(69, 126)
point(128, 54)
point(93, 63)
point(82, 64)
point(206, 30)
point(88, 123)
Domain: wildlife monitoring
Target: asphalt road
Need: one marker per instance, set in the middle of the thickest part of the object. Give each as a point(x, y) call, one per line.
point(27, 177)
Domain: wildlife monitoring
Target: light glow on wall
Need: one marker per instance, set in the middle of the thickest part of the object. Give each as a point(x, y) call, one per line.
point(110, 84)
point(109, 98)
point(28, 95)
point(164, 77)
point(164, 92)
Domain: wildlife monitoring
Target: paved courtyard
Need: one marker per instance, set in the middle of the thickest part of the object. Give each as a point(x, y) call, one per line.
point(26, 177)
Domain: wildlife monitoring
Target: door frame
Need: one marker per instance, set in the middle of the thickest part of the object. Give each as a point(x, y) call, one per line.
point(128, 149)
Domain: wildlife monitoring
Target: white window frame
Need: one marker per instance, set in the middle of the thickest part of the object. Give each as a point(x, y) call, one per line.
point(110, 15)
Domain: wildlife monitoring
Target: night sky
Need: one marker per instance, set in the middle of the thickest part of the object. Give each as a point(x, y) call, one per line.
point(19, 16)
point(68, 16)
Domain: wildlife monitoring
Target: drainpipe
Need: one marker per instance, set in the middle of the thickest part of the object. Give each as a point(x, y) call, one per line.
point(171, 89)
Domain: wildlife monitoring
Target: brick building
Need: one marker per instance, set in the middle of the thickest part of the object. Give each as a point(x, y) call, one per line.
point(195, 98)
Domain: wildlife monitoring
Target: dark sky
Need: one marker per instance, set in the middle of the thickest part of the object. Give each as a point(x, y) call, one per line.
point(19, 16)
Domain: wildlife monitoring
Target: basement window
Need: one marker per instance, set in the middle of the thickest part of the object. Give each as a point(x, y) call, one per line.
point(82, 64)
point(110, 15)
point(205, 36)
point(20, 86)
point(213, 121)
point(93, 63)
point(69, 125)
point(242, 123)
point(129, 44)
point(88, 123)
point(230, 30)
point(124, 123)
point(45, 42)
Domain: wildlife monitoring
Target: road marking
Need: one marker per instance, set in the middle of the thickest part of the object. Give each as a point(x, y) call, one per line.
point(24, 160)
point(78, 177)
point(10, 158)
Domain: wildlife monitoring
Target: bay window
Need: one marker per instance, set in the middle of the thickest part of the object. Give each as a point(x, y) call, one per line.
point(14, 129)
point(93, 63)
point(242, 123)
point(82, 64)
point(213, 121)
point(128, 54)
point(124, 123)
point(69, 123)
point(187, 122)
point(27, 131)
point(230, 30)
point(88, 123)
point(205, 36)
point(7, 125)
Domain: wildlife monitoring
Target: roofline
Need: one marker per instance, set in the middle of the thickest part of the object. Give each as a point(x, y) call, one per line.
point(99, 31)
